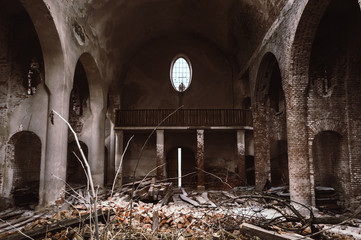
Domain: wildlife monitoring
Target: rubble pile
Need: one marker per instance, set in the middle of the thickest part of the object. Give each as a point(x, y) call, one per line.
point(151, 209)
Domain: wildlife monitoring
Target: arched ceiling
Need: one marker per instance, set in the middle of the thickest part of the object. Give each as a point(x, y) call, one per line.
point(234, 26)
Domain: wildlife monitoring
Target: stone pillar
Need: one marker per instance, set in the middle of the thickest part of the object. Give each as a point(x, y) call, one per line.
point(261, 146)
point(312, 173)
point(56, 149)
point(161, 173)
point(96, 151)
point(119, 138)
point(241, 155)
point(200, 159)
point(111, 167)
point(298, 165)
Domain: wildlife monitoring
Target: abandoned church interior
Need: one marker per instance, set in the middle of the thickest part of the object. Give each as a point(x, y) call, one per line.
point(252, 91)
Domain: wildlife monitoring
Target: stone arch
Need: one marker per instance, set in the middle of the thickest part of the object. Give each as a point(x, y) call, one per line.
point(96, 85)
point(79, 97)
point(57, 86)
point(271, 159)
point(304, 36)
point(97, 104)
point(49, 40)
point(326, 125)
point(269, 81)
point(23, 160)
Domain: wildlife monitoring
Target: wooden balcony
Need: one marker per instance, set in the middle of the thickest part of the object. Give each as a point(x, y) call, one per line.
point(190, 118)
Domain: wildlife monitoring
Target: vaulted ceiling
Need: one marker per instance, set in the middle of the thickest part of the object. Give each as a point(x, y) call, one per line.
point(234, 26)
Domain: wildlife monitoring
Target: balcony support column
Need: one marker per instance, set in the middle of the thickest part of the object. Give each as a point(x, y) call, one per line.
point(241, 158)
point(200, 159)
point(119, 138)
point(161, 173)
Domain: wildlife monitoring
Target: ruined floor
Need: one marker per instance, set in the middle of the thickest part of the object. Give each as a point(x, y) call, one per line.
point(160, 211)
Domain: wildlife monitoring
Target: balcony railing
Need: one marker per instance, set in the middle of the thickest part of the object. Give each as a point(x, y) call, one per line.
point(184, 117)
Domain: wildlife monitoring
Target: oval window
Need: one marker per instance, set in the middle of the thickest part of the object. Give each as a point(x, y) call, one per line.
point(181, 73)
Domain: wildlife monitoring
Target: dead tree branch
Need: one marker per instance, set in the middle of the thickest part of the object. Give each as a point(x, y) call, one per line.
point(94, 196)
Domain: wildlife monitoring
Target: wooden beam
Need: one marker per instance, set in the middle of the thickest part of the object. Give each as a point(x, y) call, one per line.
point(269, 235)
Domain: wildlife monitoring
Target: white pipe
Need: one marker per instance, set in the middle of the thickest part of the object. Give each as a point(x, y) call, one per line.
point(179, 167)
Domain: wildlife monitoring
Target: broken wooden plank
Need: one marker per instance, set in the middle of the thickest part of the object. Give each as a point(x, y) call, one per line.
point(142, 183)
point(19, 223)
point(167, 195)
point(205, 197)
point(229, 195)
point(269, 235)
point(11, 214)
point(55, 227)
point(141, 191)
point(188, 200)
point(201, 200)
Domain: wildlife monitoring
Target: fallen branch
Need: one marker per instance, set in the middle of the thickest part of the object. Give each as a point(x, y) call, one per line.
point(225, 183)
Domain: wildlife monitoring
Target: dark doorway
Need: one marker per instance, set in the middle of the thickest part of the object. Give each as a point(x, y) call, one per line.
point(279, 163)
point(27, 158)
point(250, 171)
point(75, 174)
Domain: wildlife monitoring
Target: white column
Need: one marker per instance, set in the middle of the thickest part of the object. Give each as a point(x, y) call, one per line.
point(56, 149)
point(119, 138)
point(161, 173)
point(96, 151)
point(241, 158)
point(111, 166)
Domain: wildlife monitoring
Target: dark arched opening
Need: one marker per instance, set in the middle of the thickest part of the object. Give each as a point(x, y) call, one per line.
point(75, 173)
point(270, 98)
point(250, 171)
point(78, 99)
point(27, 158)
point(279, 163)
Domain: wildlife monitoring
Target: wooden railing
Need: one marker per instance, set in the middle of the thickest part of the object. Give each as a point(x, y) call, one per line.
point(184, 117)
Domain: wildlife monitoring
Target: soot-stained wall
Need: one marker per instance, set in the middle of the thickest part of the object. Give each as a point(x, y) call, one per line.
point(146, 156)
point(147, 83)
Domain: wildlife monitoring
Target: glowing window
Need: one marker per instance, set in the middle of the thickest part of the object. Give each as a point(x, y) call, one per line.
point(181, 73)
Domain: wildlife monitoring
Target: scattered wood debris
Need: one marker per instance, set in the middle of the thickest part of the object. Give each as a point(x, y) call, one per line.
point(152, 209)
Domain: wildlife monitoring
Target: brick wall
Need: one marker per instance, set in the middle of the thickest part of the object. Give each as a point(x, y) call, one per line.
point(333, 100)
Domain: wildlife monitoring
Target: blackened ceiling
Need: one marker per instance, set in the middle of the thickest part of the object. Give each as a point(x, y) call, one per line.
point(234, 26)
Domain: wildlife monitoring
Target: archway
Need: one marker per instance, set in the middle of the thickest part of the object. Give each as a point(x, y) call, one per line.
point(75, 173)
point(79, 104)
point(188, 166)
point(97, 111)
point(333, 96)
point(271, 159)
point(24, 150)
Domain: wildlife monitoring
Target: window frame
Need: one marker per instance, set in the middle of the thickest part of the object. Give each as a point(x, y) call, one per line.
point(186, 58)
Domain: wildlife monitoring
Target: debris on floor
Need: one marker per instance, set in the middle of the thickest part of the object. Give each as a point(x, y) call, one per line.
point(152, 209)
